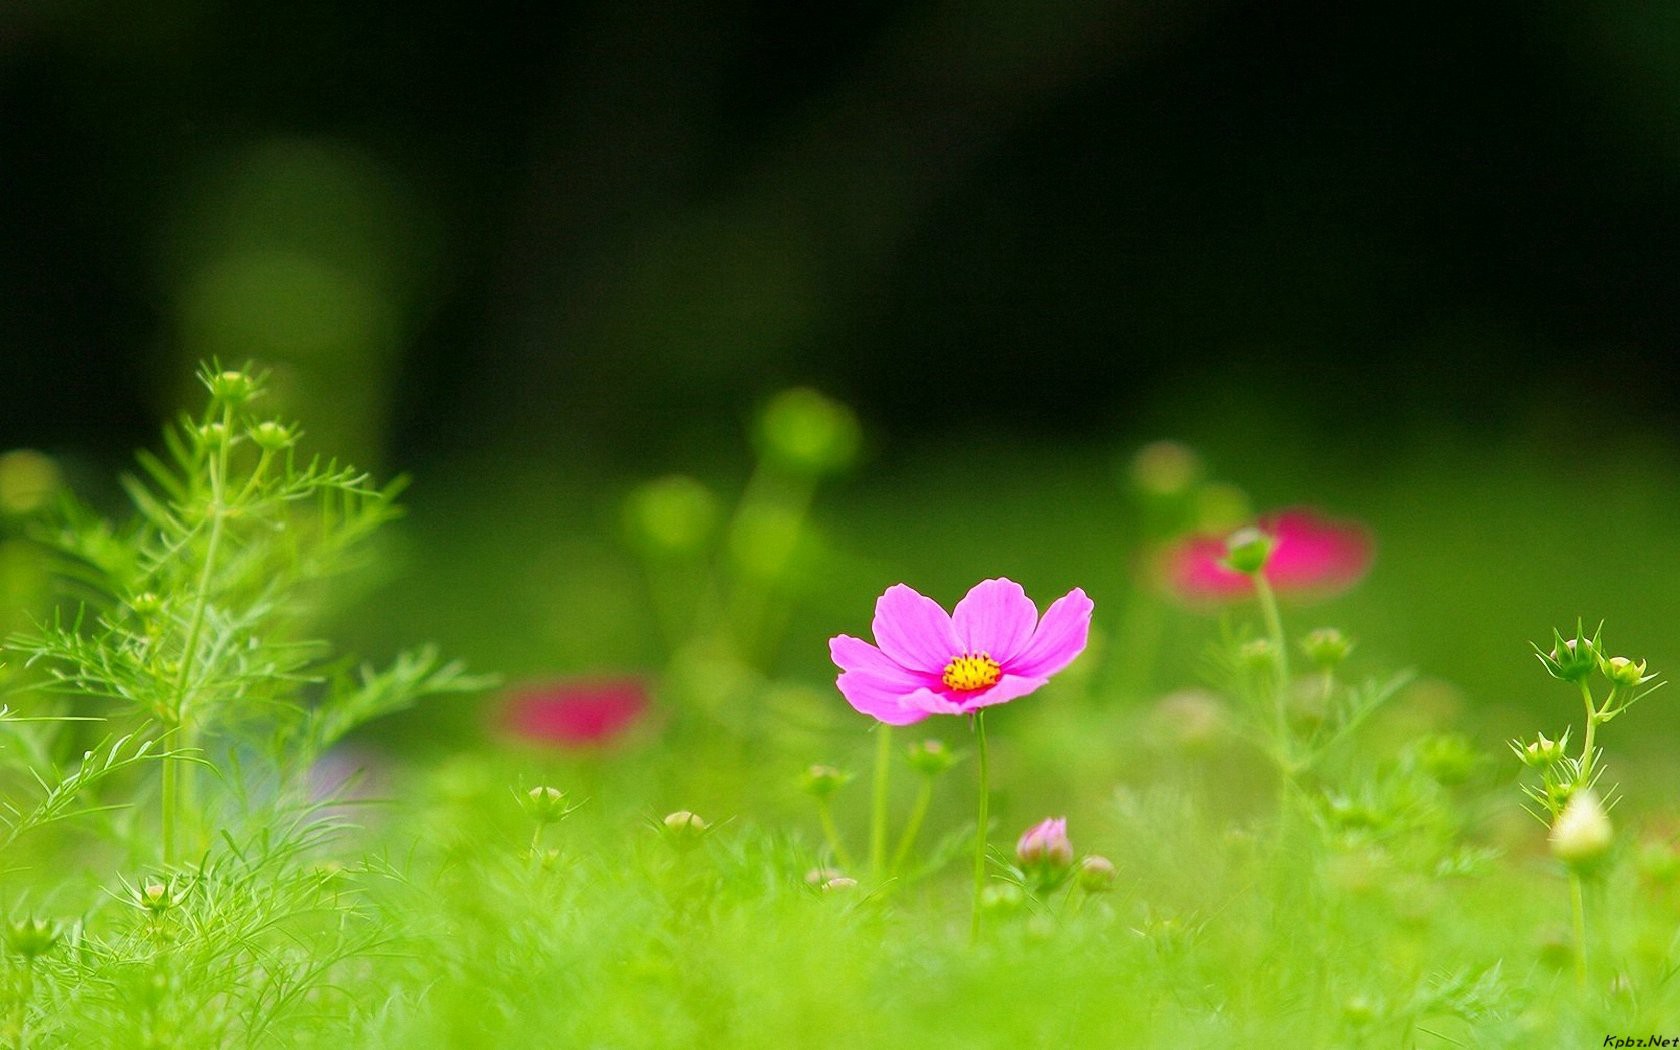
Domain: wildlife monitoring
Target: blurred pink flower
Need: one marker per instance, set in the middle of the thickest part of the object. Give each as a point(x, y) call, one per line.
point(992, 649)
point(1314, 555)
point(575, 713)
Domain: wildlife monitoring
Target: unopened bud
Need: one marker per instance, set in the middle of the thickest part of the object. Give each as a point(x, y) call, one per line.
point(671, 517)
point(1002, 897)
point(1258, 654)
point(1541, 752)
point(32, 938)
point(232, 387)
point(1045, 846)
point(1248, 550)
point(1625, 672)
point(823, 781)
point(1582, 834)
point(931, 757)
point(818, 876)
point(1326, 647)
point(1097, 874)
point(839, 885)
point(546, 805)
point(809, 433)
point(685, 829)
point(272, 435)
point(154, 897)
point(1164, 469)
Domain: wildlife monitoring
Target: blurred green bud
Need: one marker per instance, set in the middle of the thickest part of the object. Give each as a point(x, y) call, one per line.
point(28, 479)
point(1097, 874)
point(273, 436)
point(1002, 898)
point(1541, 752)
point(818, 876)
point(842, 884)
point(1258, 655)
point(1571, 659)
point(930, 757)
point(1625, 672)
point(1248, 550)
point(823, 781)
point(1358, 1011)
point(1326, 647)
point(146, 603)
point(155, 897)
point(808, 433)
point(213, 434)
point(684, 829)
point(1582, 834)
point(546, 805)
point(1164, 470)
point(1448, 758)
point(232, 387)
point(673, 516)
point(32, 938)
point(1657, 862)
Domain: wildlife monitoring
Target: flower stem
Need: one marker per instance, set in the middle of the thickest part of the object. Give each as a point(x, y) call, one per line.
point(1578, 911)
point(878, 820)
point(980, 829)
point(1280, 686)
point(1587, 756)
point(832, 834)
point(918, 812)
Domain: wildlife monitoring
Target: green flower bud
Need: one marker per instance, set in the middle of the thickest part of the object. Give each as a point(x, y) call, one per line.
point(1624, 672)
point(671, 517)
point(1248, 550)
point(32, 938)
point(823, 781)
point(684, 829)
point(1582, 834)
point(232, 387)
point(213, 433)
point(809, 434)
point(817, 877)
point(1097, 874)
point(155, 897)
point(1448, 758)
point(1258, 655)
point(28, 479)
point(931, 757)
point(1542, 752)
point(1164, 470)
point(273, 436)
point(1002, 898)
point(1571, 659)
point(546, 805)
point(1326, 647)
point(839, 885)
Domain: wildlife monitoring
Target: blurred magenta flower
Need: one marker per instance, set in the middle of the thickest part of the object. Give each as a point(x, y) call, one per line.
point(992, 649)
point(1313, 555)
point(577, 713)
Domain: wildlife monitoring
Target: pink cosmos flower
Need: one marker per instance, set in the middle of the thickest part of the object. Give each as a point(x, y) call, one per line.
point(992, 649)
point(1313, 555)
point(575, 714)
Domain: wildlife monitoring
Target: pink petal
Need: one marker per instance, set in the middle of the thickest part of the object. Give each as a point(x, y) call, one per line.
point(1060, 637)
point(914, 630)
point(881, 700)
point(855, 654)
point(995, 617)
point(950, 702)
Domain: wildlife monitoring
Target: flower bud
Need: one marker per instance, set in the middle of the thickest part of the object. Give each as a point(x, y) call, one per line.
point(672, 517)
point(1164, 469)
point(32, 938)
point(1258, 655)
point(808, 433)
point(823, 781)
point(931, 757)
point(1542, 752)
point(1097, 874)
point(28, 480)
point(272, 435)
point(685, 829)
point(1326, 647)
point(1448, 758)
point(232, 387)
point(215, 433)
point(146, 603)
point(1001, 898)
point(1582, 835)
point(819, 876)
point(1624, 672)
point(1571, 659)
point(1045, 846)
point(546, 805)
point(839, 885)
point(155, 897)
point(1248, 550)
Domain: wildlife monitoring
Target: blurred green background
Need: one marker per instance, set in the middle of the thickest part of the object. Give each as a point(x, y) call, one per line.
point(1413, 264)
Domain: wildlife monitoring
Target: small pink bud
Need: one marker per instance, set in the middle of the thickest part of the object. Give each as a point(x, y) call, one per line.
point(1045, 845)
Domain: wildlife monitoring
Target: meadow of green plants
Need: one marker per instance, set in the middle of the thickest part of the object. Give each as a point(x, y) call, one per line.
point(1343, 758)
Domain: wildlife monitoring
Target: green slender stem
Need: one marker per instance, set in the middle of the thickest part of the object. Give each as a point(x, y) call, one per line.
point(878, 818)
point(1587, 755)
point(980, 829)
point(918, 812)
point(26, 992)
point(176, 790)
point(1280, 684)
point(832, 834)
point(536, 842)
point(1578, 911)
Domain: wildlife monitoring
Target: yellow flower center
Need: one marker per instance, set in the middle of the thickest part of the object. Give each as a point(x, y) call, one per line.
point(971, 671)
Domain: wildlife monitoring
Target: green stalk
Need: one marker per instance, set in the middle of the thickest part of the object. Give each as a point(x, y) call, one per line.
point(918, 812)
point(1280, 685)
point(1587, 738)
point(1578, 911)
point(980, 830)
point(878, 818)
point(832, 834)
